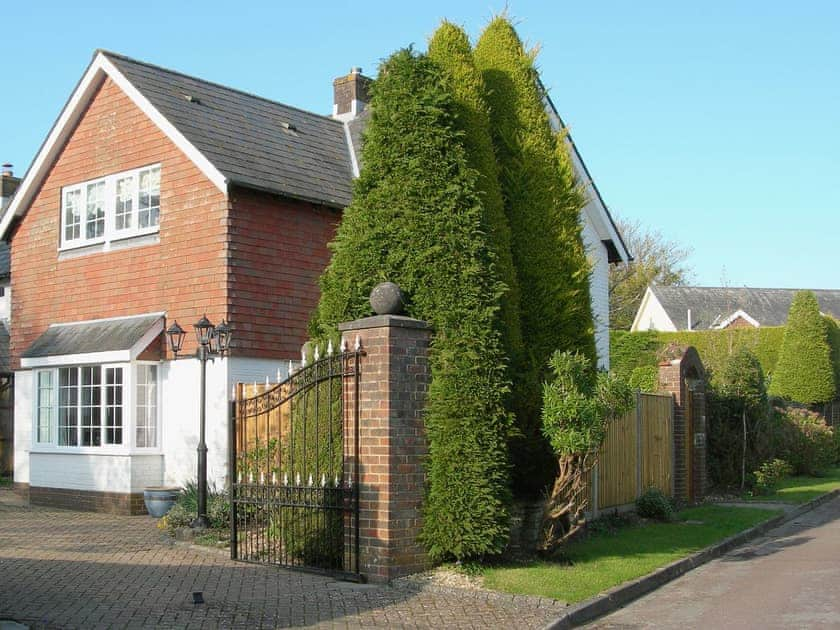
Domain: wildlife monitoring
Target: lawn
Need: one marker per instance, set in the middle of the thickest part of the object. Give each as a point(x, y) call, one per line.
point(803, 489)
point(607, 559)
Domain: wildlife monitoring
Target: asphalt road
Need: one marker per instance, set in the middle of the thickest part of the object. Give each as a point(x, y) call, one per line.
point(789, 578)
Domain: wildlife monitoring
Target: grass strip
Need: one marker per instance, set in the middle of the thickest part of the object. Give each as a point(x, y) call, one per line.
point(607, 559)
point(803, 489)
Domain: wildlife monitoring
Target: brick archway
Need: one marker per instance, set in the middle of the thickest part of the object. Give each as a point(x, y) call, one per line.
point(682, 374)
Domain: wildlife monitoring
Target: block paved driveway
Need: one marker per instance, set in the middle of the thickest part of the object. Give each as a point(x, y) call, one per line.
point(63, 569)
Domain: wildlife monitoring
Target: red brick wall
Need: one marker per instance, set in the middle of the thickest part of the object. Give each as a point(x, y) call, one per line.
point(276, 247)
point(278, 250)
point(184, 274)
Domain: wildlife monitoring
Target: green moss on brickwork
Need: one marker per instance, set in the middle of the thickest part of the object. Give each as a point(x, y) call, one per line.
point(417, 220)
point(804, 372)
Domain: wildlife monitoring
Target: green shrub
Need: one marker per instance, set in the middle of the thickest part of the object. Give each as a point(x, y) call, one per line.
point(804, 372)
point(655, 505)
point(542, 204)
point(806, 441)
point(769, 475)
point(417, 219)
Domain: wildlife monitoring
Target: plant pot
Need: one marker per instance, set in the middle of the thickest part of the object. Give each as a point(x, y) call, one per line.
point(160, 499)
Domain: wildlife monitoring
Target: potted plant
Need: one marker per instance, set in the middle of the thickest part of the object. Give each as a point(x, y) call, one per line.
point(160, 499)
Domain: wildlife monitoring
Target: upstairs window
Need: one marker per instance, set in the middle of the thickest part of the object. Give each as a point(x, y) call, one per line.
point(118, 206)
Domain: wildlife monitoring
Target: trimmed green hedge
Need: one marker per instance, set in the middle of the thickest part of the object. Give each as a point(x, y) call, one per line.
point(631, 350)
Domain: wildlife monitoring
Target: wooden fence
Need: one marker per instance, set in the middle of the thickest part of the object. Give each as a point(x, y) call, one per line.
point(637, 454)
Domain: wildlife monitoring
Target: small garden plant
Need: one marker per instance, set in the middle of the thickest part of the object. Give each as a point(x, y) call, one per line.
point(769, 475)
point(185, 509)
point(653, 504)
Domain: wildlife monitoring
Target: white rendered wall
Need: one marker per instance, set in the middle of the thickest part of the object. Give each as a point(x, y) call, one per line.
point(599, 290)
point(180, 418)
point(245, 370)
point(23, 424)
point(103, 473)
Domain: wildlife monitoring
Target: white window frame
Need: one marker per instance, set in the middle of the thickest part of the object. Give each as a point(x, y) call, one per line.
point(129, 412)
point(111, 233)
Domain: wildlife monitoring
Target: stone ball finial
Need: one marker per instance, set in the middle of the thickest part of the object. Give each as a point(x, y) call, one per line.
point(387, 299)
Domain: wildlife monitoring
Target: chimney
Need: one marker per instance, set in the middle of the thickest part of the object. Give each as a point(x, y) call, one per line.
point(350, 95)
point(8, 185)
point(688, 316)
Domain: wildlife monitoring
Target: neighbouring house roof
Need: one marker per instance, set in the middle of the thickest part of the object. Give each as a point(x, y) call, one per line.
point(99, 340)
point(712, 306)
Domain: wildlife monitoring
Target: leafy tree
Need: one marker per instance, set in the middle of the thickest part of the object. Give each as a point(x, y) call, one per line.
point(542, 203)
point(417, 219)
point(656, 260)
point(804, 372)
point(742, 381)
point(578, 406)
point(450, 48)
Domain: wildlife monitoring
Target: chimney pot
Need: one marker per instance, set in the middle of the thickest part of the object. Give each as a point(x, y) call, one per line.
point(7, 170)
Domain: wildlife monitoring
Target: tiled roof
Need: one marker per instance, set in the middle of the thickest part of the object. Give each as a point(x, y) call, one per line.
point(252, 141)
point(104, 335)
point(711, 305)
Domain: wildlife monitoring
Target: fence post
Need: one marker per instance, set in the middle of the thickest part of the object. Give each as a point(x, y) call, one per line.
point(639, 454)
point(595, 494)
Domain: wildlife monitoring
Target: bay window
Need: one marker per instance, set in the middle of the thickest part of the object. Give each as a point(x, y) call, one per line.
point(110, 208)
point(91, 406)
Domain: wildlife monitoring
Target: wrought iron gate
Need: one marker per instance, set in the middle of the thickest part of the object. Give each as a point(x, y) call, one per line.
point(294, 462)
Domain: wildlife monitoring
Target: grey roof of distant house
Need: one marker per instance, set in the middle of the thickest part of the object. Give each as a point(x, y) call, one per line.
point(710, 305)
point(252, 141)
point(104, 335)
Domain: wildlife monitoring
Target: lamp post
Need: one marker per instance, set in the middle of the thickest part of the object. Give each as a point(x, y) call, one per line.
point(212, 341)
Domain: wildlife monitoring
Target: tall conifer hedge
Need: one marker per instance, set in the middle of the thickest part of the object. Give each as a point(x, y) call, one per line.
point(543, 206)
point(804, 372)
point(417, 219)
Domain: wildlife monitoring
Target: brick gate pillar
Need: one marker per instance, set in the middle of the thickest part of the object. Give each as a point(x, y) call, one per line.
point(393, 382)
point(681, 373)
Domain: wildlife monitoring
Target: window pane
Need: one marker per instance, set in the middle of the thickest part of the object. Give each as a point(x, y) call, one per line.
point(146, 406)
point(124, 203)
point(72, 214)
point(68, 420)
point(95, 219)
point(149, 198)
point(113, 405)
point(45, 406)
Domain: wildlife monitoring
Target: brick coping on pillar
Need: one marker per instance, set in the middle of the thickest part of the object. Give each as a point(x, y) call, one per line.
point(385, 321)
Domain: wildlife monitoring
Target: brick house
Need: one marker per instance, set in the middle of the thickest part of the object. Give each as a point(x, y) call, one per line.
point(160, 197)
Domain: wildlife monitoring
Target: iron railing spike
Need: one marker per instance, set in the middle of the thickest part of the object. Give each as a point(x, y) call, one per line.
point(279, 376)
point(317, 353)
point(285, 479)
point(266, 380)
point(311, 483)
point(250, 477)
point(337, 482)
point(291, 367)
point(323, 481)
point(343, 346)
point(297, 479)
point(273, 478)
point(358, 345)
point(262, 478)
point(329, 348)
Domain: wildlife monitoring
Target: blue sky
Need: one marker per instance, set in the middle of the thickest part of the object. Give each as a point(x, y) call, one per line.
point(715, 123)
